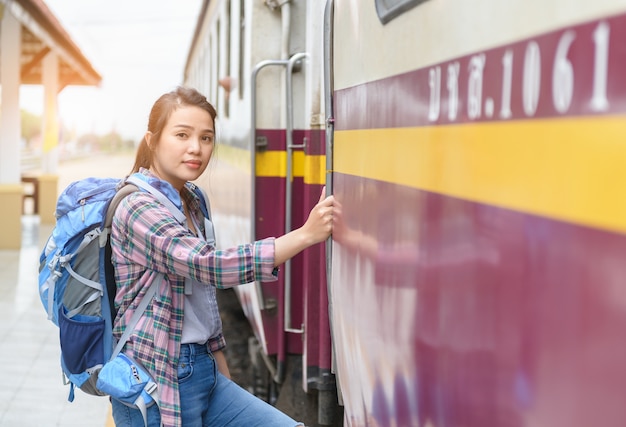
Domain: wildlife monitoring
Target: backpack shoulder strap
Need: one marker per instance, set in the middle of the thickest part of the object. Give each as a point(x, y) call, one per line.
point(180, 217)
point(124, 191)
point(115, 201)
point(204, 201)
point(209, 231)
point(141, 308)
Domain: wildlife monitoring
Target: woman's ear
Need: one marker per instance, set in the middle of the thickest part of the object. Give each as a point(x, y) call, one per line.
point(148, 137)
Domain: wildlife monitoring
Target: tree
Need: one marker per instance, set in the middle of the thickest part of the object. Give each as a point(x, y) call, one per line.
point(31, 125)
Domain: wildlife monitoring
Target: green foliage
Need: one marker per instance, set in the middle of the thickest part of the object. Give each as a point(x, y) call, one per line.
point(31, 125)
point(85, 143)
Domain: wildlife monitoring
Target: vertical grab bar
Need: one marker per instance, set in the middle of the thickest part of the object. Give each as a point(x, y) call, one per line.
point(289, 185)
point(253, 145)
point(290, 63)
point(329, 86)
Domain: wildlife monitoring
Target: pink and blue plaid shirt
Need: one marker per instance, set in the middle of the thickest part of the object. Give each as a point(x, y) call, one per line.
point(147, 240)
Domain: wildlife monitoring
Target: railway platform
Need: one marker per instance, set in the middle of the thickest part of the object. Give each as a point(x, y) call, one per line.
point(32, 393)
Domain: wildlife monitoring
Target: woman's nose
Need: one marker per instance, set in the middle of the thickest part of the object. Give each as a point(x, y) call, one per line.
point(194, 145)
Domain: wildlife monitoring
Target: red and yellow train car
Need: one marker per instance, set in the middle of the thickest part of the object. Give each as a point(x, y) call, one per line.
point(268, 172)
point(475, 275)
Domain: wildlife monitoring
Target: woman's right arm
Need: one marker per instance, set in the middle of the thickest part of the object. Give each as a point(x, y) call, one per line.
point(148, 235)
point(158, 242)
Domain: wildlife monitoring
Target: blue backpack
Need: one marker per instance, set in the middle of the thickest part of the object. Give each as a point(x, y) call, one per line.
point(77, 288)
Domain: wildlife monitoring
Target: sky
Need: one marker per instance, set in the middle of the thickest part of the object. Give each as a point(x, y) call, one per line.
point(139, 47)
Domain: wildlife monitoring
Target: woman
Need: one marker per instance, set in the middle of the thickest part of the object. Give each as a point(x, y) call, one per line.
point(179, 338)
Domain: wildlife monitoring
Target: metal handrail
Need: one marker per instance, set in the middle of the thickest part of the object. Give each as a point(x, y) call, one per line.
point(289, 185)
point(329, 86)
point(253, 144)
point(290, 146)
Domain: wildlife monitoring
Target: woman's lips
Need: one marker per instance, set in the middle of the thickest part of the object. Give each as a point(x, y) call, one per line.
point(194, 164)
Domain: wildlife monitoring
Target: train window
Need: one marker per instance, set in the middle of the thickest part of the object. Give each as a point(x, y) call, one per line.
point(242, 46)
point(227, 58)
point(389, 9)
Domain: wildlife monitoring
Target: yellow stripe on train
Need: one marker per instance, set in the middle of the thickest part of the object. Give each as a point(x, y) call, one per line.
point(569, 169)
point(274, 164)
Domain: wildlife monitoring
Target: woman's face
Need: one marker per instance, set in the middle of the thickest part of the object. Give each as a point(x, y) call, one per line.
point(185, 146)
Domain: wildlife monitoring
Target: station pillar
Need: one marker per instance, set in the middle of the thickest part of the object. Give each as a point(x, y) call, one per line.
point(11, 190)
point(11, 214)
point(47, 197)
point(48, 191)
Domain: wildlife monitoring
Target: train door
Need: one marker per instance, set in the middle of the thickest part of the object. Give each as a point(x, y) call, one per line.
point(287, 126)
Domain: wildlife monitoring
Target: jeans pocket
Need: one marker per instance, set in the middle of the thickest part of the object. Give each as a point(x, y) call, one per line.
point(185, 369)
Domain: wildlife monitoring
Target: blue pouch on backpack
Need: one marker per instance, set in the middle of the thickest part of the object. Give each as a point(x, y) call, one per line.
point(128, 382)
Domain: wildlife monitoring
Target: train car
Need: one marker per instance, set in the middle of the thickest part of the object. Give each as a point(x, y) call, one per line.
point(474, 149)
point(259, 63)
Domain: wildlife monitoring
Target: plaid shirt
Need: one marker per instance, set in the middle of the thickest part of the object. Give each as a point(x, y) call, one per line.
point(147, 240)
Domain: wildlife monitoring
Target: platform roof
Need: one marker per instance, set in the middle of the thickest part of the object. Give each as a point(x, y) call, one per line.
point(42, 33)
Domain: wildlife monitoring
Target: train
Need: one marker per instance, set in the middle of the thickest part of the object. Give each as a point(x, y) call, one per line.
point(476, 275)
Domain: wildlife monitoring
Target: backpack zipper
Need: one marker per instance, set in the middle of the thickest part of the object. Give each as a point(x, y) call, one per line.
point(82, 204)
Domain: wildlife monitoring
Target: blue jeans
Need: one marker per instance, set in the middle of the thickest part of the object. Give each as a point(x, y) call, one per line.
point(207, 398)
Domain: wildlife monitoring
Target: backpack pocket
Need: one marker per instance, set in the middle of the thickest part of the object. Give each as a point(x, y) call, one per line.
point(82, 341)
point(126, 380)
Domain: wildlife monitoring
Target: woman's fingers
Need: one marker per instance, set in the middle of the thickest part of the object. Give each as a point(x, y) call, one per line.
point(323, 195)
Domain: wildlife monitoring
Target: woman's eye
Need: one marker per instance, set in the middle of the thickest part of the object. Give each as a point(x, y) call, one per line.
point(207, 138)
point(181, 135)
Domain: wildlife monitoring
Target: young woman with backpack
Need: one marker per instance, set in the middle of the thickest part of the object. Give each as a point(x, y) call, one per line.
point(179, 337)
